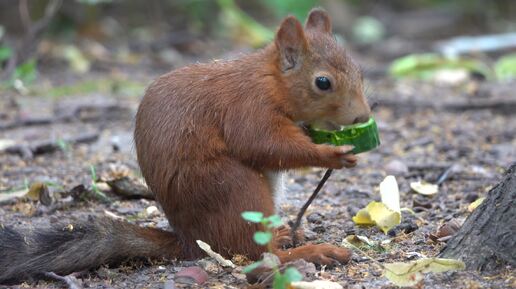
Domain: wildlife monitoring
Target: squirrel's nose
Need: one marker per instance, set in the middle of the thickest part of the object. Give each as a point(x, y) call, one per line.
point(361, 118)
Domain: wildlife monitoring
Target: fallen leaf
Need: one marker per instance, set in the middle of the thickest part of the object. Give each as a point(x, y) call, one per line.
point(362, 239)
point(191, 275)
point(76, 59)
point(410, 273)
point(446, 230)
point(390, 193)
point(362, 242)
point(113, 215)
point(5, 143)
point(424, 188)
point(130, 188)
point(35, 190)
point(378, 214)
point(207, 248)
point(475, 204)
point(385, 218)
point(7, 196)
point(363, 218)
point(317, 284)
point(386, 214)
point(25, 208)
point(71, 281)
point(39, 192)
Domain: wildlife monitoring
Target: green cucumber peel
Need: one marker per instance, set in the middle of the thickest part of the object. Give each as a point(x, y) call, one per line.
point(363, 136)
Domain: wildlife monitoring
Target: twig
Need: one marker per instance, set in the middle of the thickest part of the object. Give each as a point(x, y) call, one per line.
point(23, 9)
point(48, 146)
point(33, 34)
point(297, 223)
point(70, 280)
point(444, 175)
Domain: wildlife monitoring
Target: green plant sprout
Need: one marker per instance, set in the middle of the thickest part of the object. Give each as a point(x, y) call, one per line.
point(98, 193)
point(264, 238)
point(63, 145)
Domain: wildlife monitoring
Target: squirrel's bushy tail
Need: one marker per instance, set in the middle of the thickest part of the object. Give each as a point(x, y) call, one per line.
point(78, 246)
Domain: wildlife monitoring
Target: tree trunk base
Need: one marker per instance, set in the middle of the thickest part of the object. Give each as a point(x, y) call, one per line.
point(487, 240)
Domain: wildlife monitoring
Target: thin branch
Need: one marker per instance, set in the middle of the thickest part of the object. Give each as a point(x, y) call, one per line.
point(297, 223)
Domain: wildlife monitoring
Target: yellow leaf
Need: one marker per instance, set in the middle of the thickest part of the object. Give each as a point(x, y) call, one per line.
point(358, 241)
point(475, 204)
point(378, 214)
point(410, 273)
point(384, 218)
point(385, 215)
point(35, 190)
point(424, 188)
point(362, 218)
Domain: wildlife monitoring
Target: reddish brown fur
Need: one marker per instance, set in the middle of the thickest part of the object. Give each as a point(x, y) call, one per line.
point(206, 134)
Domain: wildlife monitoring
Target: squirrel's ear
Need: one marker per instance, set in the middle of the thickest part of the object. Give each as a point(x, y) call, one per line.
point(291, 43)
point(318, 19)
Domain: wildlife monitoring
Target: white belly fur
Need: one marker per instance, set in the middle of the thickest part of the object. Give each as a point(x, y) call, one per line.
point(277, 181)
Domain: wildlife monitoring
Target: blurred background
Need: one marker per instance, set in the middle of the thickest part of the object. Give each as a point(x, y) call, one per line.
point(53, 42)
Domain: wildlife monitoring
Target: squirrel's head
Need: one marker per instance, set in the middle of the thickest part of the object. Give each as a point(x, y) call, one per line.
point(323, 83)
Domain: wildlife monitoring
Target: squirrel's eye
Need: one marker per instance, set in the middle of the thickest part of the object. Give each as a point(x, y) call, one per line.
point(323, 83)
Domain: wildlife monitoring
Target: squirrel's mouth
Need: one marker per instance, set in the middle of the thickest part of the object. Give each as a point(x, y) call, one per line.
point(325, 124)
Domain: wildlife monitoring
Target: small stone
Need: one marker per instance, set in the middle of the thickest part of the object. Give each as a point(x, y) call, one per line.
point(310, 235)
point(471, 197)
point(151, 211)
point(103, 186)
point(208, 265)
point(161, 269)
point(170, 284)
point(319, 229)
point(396, 167)
point(315, 218)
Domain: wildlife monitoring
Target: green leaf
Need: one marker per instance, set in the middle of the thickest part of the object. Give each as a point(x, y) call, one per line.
point(250, 268)
point(262, 238)
point(280, 281)
point(292, 275)
point(255, 217)
point(5, 53)
point(274, 221)
point(26, 72)
point(93, 173)
point(425, 66)
point(368, 30)
point(505, 67)
point(298, 8)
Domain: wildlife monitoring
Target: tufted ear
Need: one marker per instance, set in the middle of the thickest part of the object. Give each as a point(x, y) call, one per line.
point(319, 20)
point(291, 43)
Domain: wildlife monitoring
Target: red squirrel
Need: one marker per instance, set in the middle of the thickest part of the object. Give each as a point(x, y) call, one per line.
point(209, 139)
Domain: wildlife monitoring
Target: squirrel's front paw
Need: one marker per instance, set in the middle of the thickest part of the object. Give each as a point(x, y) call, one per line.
point(326, 254)
point(283, 237)
point(339, 157)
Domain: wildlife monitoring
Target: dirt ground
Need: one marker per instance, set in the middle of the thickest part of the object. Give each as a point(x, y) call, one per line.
point(425, 127)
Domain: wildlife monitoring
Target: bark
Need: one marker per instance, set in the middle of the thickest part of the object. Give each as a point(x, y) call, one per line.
point(487, 240)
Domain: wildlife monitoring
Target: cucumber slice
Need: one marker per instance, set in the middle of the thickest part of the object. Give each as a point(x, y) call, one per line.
point(364, 136)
